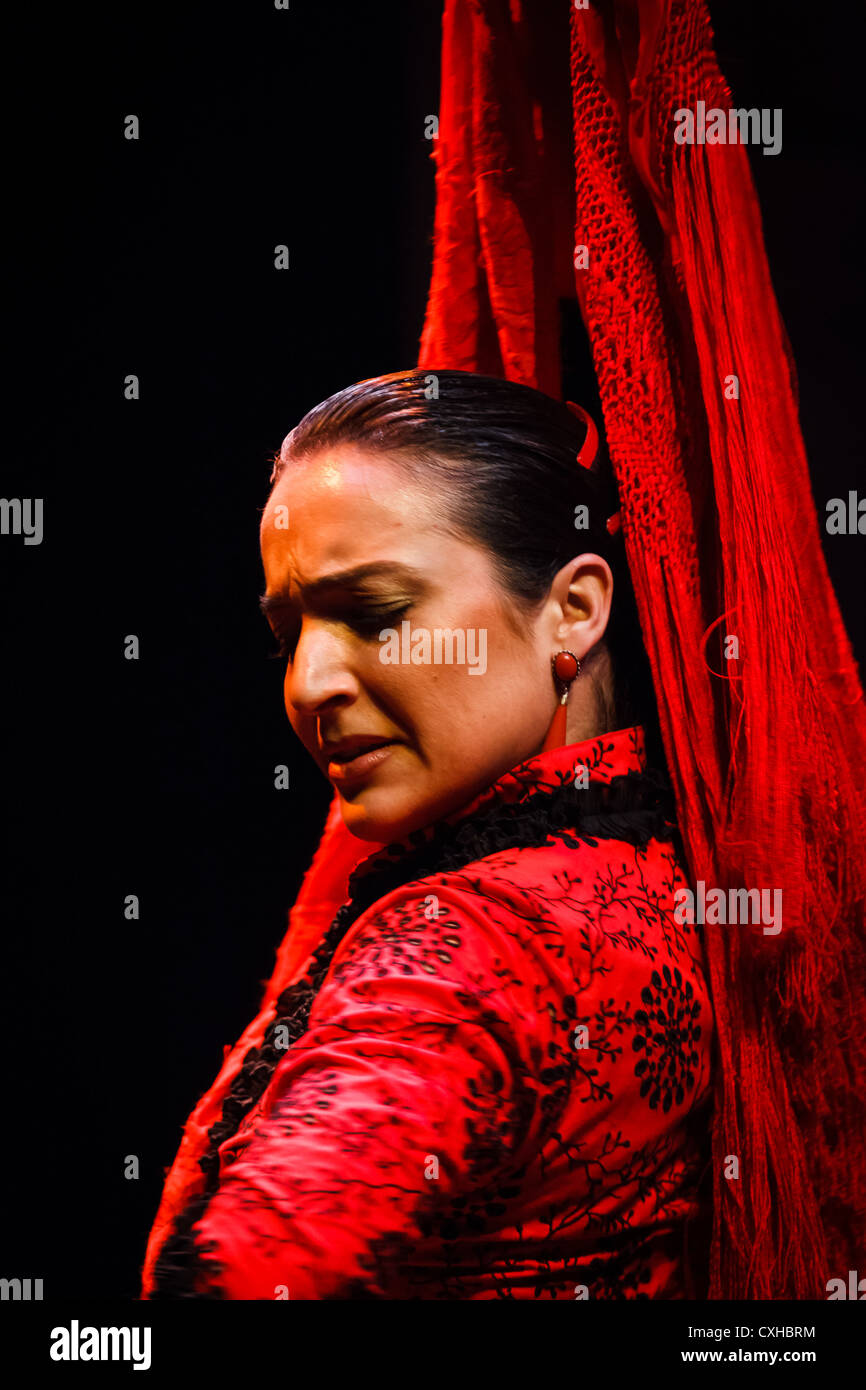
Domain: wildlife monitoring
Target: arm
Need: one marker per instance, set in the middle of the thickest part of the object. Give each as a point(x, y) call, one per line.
point(408, 1089)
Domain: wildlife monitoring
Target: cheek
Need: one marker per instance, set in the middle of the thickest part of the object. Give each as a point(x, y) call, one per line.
point(293, 716)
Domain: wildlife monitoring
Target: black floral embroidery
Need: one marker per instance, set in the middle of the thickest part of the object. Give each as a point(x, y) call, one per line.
point(669, 1033)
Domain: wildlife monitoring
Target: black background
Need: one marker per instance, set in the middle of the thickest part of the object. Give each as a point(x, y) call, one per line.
point(155, 257)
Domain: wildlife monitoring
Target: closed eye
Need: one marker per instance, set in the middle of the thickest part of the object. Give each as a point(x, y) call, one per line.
point(368, 623)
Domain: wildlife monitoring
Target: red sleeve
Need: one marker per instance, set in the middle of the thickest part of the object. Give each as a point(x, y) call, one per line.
point(415, 1082)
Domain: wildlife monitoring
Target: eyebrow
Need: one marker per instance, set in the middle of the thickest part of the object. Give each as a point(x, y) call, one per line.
point(341, 579)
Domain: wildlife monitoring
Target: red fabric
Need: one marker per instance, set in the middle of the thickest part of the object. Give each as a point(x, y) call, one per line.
point(769, 758)
point(322, 892)
point(718, 519)
point(437, 1133)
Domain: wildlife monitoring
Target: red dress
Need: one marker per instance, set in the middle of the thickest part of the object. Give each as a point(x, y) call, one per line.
point(503, 1089)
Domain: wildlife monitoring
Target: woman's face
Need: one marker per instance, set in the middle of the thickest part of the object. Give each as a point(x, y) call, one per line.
point(450, 728)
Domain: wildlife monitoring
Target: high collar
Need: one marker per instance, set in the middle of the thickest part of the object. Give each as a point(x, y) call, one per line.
point(604, 757)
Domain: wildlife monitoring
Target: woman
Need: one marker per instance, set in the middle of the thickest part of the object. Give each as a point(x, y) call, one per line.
point(493, 1079)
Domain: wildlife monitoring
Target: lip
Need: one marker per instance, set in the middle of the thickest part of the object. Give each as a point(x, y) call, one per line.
point(361, 764)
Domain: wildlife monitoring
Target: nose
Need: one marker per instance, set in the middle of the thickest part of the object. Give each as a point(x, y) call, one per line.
point(319, 671)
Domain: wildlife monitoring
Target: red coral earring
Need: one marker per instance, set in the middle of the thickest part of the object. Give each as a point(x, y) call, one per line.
point(565, 668)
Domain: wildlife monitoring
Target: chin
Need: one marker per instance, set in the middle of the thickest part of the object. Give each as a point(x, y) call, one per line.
point(367, 822)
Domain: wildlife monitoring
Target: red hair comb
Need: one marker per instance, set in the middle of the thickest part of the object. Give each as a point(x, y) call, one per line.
point(589, 447)
point(587, 452)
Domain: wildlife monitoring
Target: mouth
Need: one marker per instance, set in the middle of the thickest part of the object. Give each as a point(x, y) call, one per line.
point(350, 759)
point(349, 769)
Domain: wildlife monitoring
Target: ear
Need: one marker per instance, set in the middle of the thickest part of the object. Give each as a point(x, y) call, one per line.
point(582, 591)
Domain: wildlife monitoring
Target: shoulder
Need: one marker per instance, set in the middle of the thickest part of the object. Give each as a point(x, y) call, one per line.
point(529, 912)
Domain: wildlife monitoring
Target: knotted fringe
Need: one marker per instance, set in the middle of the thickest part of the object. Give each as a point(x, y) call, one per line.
point(783, 738)
point(792, 812)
